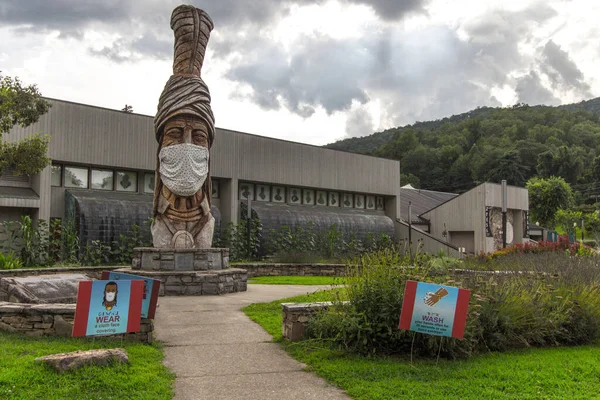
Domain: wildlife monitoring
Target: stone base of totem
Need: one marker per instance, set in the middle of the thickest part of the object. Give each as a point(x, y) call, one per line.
point(153, 259)
point(189, 272)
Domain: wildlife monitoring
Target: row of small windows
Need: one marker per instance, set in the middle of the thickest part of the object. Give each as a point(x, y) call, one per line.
point(100, 179)
point(291, 195)
point(104, 179)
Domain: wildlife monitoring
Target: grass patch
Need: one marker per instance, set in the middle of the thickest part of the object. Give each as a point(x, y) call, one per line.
point(21, 378)
point(297, 280)
point(550, 373)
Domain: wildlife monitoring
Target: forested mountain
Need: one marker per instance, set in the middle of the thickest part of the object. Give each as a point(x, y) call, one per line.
point(490, 144)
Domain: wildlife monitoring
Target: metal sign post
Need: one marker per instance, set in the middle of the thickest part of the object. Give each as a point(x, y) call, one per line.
point(249, 225)
point(504, 201)
point(410, 230)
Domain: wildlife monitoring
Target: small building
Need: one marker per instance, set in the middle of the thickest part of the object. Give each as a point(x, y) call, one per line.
point(473, 220)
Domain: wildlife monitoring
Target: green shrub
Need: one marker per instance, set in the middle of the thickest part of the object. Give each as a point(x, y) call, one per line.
point(554, 301)
point(35, 242)
point(121, 251)
point(242, 248)
point(10, 261)
point(96, 253)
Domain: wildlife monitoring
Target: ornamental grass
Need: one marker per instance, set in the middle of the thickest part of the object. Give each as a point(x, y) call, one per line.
point(534, 300)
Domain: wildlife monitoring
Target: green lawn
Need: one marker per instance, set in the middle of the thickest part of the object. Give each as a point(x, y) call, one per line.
point(551, 373)
point(21, 378)
point(297, 280)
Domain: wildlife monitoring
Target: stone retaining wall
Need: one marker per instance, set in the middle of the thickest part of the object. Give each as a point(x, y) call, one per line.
point(92, 272)
point(196, 283)
point(293, 269)
point(54, 320)
point(254, 269)
point(296, 317)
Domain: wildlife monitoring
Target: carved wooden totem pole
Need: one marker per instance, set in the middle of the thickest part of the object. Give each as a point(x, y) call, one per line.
point(185, 129)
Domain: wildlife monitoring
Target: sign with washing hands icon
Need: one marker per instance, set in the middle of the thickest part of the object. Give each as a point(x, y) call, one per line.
point(434, 309)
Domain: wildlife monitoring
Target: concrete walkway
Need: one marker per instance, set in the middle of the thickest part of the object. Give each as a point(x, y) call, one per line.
point(217, 352)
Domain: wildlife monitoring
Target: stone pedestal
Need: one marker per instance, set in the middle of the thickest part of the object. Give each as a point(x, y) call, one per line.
point(189, 272)
point(153, 259)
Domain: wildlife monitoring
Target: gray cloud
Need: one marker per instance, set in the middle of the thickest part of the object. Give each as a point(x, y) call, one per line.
point(530, 90)
point(69, 17)
point(321, 72)
point(131, 49)
point(561, 70)
point(359, 123)
point(391, 10)
point(419, 75)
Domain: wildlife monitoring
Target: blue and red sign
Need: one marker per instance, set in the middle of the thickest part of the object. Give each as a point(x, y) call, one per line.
point(434, 309)
point(108, 307)
point(151, 287)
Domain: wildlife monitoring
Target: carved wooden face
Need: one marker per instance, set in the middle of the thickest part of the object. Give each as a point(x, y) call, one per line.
point(185, 129)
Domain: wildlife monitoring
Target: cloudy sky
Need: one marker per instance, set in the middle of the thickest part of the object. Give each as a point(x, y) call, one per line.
point(313, 71)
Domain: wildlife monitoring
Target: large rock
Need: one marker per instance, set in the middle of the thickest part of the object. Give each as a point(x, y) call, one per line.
point(69, 361)
point(41, 289)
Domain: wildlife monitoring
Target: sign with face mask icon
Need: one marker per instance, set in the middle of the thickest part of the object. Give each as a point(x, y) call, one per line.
point(434, 309)
point(108, 307)
point(151, 288)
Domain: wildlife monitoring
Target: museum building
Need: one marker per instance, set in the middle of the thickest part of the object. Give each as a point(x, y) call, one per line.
point(103, 171)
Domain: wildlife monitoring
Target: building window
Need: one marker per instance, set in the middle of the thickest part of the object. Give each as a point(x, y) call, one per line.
point(347, 200)
point(263, 193)
point(149, 182)
point(127, 181)
point(370, 202)
point(102, 179)
point(56, 175)
point(246, 191)
point(278, 194)
point(321, 198)
point(295, 196)
point(308, 197)
point(215, 189)
point(334, 199)
point(359, 201)
point(76, 177)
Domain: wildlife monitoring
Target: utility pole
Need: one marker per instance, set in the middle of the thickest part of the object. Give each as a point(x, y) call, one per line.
point(410, 229)
point(249, 225)
point(504, 201)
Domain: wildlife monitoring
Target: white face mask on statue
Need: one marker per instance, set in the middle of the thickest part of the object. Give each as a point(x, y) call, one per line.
point(183, 168)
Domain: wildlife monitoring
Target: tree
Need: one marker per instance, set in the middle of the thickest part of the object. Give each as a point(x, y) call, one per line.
point(127, 109)
point(568, 220)
point(546, 197)
point(508, 167)
point(22, 105)
point(592, 225)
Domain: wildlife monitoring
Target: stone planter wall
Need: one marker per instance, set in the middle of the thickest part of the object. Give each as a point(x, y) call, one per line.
point(92, 272)
point(193, 283)
point(293, 269)
point(296, 317)
point(54, 320)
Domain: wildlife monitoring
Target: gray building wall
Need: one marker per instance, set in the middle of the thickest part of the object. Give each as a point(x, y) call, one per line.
point(97, 137)
point(424, 242)
point(466, 213)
